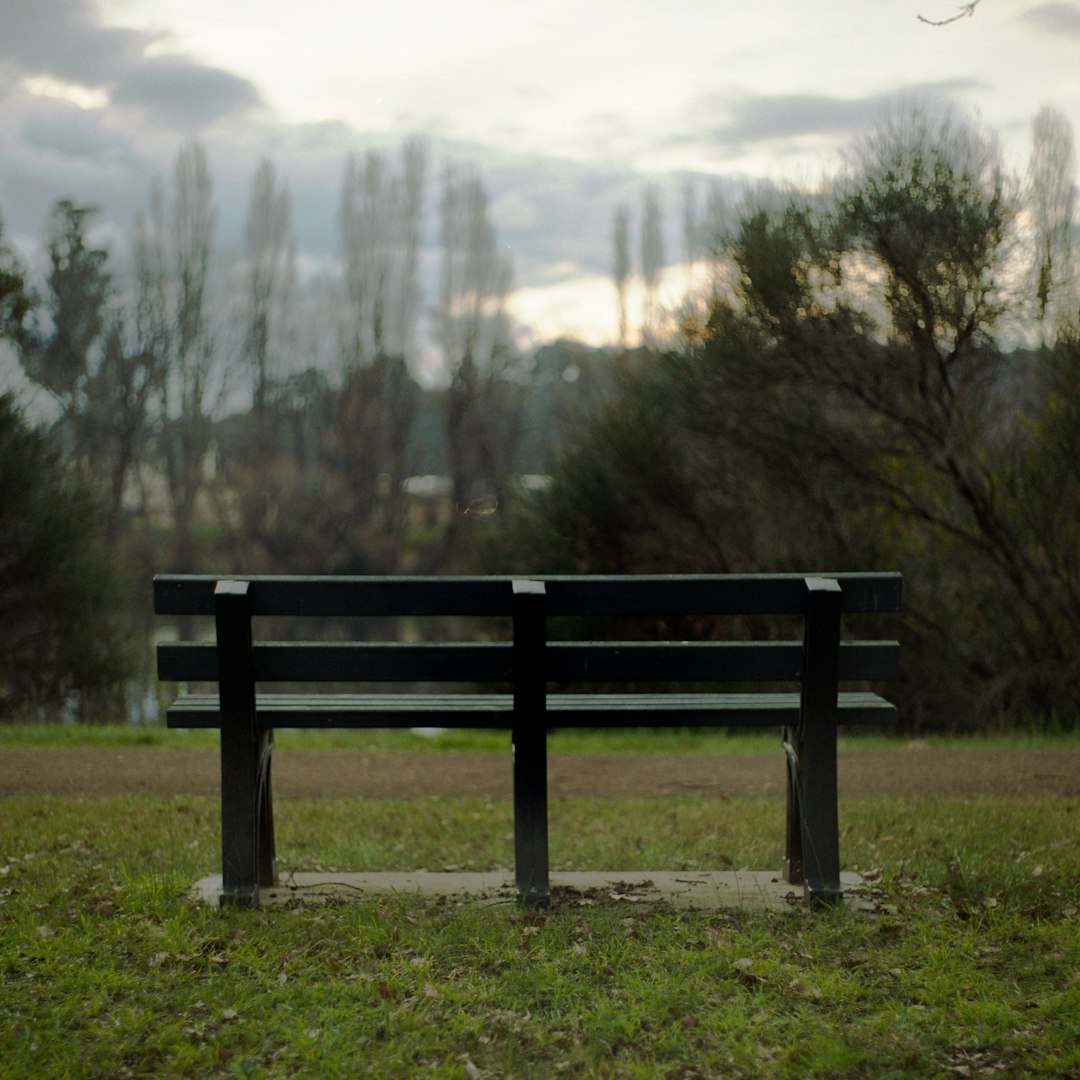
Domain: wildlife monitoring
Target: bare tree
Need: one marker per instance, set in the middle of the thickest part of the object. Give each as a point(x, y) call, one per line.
point(381, 214)
point(270, 272)
point(118, 414)
point(410, 213)
point(371, 442)
point(483, 402)
point(172, 270)
point(652, 260)
point(1051, 200)
point(622, 267)
point(691, 229)
point(366, 217)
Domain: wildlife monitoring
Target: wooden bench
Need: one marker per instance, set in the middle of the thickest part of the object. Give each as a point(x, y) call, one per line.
point(525, 683)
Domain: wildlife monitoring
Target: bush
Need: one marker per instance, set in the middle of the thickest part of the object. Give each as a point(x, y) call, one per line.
point(62, 641)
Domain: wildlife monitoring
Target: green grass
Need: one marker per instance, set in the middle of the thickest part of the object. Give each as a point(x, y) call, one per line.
point(109, 970)
point(680, 740)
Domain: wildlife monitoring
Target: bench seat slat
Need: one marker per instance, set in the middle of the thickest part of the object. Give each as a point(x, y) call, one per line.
point(496, 710)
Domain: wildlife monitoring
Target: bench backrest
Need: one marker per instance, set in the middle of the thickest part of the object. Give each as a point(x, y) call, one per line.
point(537, 598)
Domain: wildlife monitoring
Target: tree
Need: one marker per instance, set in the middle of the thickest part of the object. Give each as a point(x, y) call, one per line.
point(380, 226)
point(691, 231)
point(931, 207)
point(16, 300)
point(61, 357)
point(99, 381)
point(368, 446)
point(885, 378)
point(270, 272)
point(483, 402)
point(1051, 201)
point(854, 404)
point(118, 421)
point(172, 284)
point(652, 260)
point(621, 239)
point(369, 440)
point(62, 640)
point(410, 207)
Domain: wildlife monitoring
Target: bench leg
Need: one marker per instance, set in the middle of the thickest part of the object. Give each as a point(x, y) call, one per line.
point(247, 825)
point(814, 764)
point(248, 858)
point(818, 813)
point(239, 817)
point(530, 817)
point(530, 744)
point(793, 849)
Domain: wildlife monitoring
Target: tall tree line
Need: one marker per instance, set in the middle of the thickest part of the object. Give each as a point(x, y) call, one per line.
point(178, 398)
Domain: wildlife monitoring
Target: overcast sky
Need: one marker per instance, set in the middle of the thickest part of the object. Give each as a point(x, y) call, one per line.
point(568, 107)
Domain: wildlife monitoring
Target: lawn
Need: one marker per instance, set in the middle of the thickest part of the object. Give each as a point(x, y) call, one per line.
point(971, 967)
point(581, 741)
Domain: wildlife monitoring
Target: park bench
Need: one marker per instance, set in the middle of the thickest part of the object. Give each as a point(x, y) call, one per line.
point(537, 676)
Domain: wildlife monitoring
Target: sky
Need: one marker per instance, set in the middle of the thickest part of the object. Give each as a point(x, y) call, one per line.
point(567, 108)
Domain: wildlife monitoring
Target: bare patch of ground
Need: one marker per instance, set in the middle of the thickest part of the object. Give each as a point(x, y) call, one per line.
point(917, 770)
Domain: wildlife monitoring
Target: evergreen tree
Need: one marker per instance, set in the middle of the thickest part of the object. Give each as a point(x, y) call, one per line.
point(62, 640)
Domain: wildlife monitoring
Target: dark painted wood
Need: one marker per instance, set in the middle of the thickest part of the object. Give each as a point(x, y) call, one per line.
point(496, 711)
point(530, 744)
point(492, 662)
point(343, 596)
point(245, 756)
point(345, 662)
point(815, 745)
point(525, 683)
point(765, 594)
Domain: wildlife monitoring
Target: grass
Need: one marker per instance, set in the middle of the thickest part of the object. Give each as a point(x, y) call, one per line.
point(971, 968)
point(680, 740)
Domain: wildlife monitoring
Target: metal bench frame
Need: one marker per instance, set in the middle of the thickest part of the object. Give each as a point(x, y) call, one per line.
point(530, 664)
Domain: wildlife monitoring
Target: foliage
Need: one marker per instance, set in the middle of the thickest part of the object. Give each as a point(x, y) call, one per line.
point(970, 968)
point(76, 348)
point(16, 300)
point(853, 397)
point(854, 406)
point(61, 635)
point(60, 359)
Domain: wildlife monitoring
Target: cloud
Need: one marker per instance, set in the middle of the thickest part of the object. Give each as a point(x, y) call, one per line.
point(184, 94)
point(70, 132)
point(65, 39)
point(1055, 18)
point(740, 122)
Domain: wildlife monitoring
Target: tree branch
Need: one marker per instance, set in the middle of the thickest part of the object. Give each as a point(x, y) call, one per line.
point(966, 12)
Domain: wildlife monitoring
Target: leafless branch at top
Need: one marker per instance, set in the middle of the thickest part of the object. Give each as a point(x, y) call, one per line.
point(966, 11)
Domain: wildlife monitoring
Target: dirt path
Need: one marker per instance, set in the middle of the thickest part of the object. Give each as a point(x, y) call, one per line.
point(398, 774)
